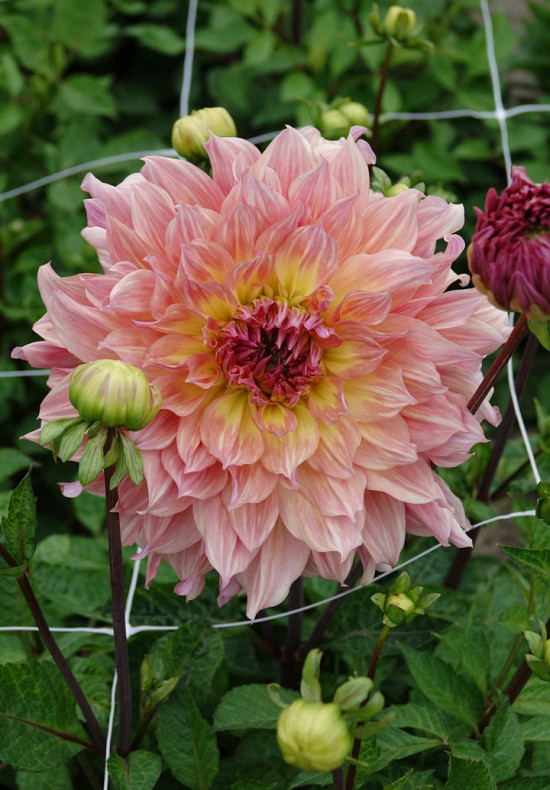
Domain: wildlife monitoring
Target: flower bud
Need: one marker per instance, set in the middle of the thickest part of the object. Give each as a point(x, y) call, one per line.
point(313, 736)
point(401, 602)
point(509, 256)
point(399, 22)
point(334, 124)
point(356, 113)
point(396, 189)
point(190, 132)
point(114, 393)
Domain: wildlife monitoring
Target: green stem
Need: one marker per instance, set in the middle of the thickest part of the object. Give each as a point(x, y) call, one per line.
point(356, 748)
point(119, 622)
point(380, 93)
point(47, 637)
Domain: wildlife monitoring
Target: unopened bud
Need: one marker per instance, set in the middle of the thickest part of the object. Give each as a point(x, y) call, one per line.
point(313, 736)
point(114, 393)
point(356, 113)
point(400, 23)
point(191, 131)
point(401, 602)
point(396, 189)
point(334, 124)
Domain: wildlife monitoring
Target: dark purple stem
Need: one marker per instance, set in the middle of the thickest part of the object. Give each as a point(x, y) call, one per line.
point(47, 637)
point(119, 623)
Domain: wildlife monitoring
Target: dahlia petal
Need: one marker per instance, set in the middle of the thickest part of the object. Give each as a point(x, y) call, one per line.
point(172, 351)
point(392, 223)
point(229, 157)
point(250, 485)
point(254, 522)
point(305, 260)
point(317, 188)
point(204, 261)
point(178, 395)
point(265, 588)
point(253, 192)
point(79, 327)
point(228, 430)
point(222, 546)
point(412, 483)
point(191, 223)
point(124, 244)
point(329, 565)
point(350, 168)
point(384, 529)
point(203, 370)
point(313, 529)
point(327, 400)
point(385, 444)
point(130, 344)
point(152, 212)
point(113, 200)
point(378, 395)
point(343, 220)
point(368, 308)
point(333, 496)
point(132, 294)
point(357, 355)
point(289, 155)
point(183, 182)
point(200, 484)
point(273, 236)
point(158, 434)
point(239, 229)
point(43, 354)
point(284, 455)
point(436, 219)
point(276, 419)
point(212, 300)
point(391, 270)
point(247, 278)
point(97, 238)
point(338, 443)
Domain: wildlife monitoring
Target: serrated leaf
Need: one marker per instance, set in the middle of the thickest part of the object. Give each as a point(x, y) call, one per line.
point(471, 774)
point(157, 37)
point(19, 526)
point(396, 744)
point(536, 728)
point(534, 699)
point(187, 744)
point(250, 707)
point(503, 742)
point(194, 652)
point(139, 771)
point(85, 94)
point(38, 724)
point(536, 561)
point(251, 784)
point(422, 718)
point(439, 682)
point(54, 779)
point(79, 25)
point(468, 649)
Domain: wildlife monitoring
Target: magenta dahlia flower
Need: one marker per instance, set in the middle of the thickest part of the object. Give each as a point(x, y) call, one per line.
point(509, 256)
point(313, 366)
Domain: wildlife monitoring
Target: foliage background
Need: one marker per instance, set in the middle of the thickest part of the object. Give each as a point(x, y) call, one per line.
point(85, 80)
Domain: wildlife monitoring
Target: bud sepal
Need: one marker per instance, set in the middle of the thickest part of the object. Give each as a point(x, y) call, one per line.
point(402, 603)
point(538, 660)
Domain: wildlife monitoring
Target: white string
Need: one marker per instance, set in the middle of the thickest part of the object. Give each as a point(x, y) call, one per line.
point(519, 416)
point(110, 727)
point(188, 61)
point(495, 81)
point(17, 374)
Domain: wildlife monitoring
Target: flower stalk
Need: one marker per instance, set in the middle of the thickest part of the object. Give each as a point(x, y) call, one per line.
point(49, 641)
point(119, 621)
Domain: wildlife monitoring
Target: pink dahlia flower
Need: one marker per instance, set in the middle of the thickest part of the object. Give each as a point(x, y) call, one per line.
point(313, 366)
point(509, 256)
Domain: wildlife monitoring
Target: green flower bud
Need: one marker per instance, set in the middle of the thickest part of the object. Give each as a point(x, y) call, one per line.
point(114, 393)
point(396, 189)
point(313, 736)
point(400, 23)
point(402, 602)
point(334, 124)
point(192, 131)
point(543, 502)
point(356, 113)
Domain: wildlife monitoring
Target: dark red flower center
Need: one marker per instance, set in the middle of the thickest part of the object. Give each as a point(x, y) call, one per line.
point(273, 350)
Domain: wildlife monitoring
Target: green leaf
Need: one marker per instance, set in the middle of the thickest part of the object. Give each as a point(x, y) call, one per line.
point(82, 93)
point(186, 742)
point(250, 707)
point(503, 742)
point(71, 439)
point(471, 774)
point(540, 330)
point(19, 526)
point(194, 652)
point(536, 729)
point(422, 718)
point(12, 461)
point(90, 511)
point(157, 37)
point(466, 647)
point(91, 463)
point(534, 699)
point(53, 430)
point(132, 457)
point(79, 25)
point(14, 570)
point(38, 724)
point(54, 779)
point(139, 771)
point(251, 784)
point(536, 561)
point(397, 744)
point(440, 683)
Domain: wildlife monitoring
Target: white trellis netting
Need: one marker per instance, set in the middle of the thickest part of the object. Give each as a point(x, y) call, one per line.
point(500, 114)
